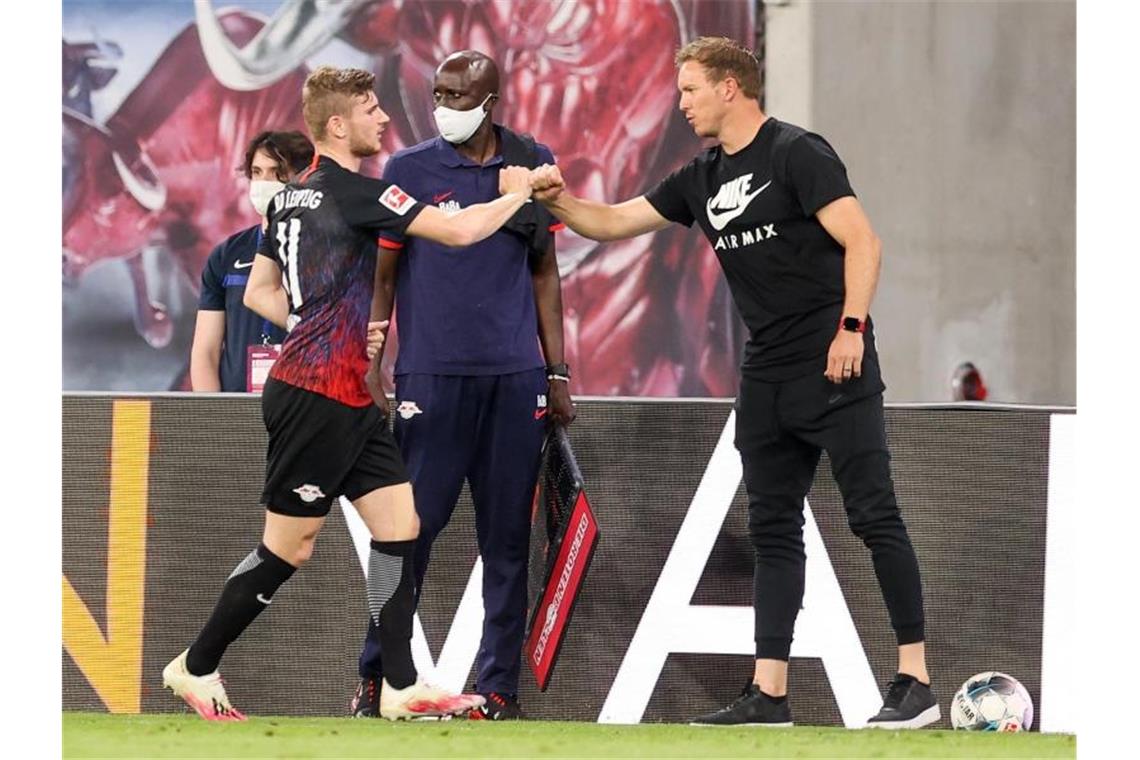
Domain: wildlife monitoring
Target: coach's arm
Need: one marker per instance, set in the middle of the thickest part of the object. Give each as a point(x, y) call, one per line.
point(846, 222)
point(597, 221)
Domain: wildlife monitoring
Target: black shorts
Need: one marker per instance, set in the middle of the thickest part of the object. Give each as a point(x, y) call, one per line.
point(320, 449)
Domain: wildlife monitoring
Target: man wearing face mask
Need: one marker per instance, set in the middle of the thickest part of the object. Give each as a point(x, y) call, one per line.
point(230, 339)
point(474, 392)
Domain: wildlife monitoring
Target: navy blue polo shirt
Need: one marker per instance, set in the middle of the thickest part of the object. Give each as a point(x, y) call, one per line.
point(223, 287)
point(461, 311)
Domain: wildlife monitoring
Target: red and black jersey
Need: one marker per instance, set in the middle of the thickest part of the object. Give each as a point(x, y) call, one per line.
point(322, 234)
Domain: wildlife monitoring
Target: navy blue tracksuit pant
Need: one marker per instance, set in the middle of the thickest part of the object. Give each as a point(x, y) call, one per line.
point(489, 430)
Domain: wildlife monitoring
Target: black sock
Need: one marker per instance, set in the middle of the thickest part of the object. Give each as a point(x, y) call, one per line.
point(391, 604)
point(256, 578)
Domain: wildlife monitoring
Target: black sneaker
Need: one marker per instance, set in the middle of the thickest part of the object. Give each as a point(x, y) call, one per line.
point(366, 700)
point(909, 704)
point(497, 707)
point(752, 708)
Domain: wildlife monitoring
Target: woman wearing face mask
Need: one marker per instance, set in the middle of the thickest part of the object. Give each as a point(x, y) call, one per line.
point(232, 345)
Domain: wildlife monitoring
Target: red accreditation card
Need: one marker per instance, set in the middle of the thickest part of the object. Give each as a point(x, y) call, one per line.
point(259, 360)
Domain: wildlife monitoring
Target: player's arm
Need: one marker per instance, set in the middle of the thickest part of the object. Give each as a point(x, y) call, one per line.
point(548, 303)
point(206, 350)
point(845, 221)
point(597, 221)
point(474, 223)
point(265, 293)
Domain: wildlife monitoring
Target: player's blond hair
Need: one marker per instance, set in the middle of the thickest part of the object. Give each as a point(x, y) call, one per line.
point(329, 92)
point(723, 57)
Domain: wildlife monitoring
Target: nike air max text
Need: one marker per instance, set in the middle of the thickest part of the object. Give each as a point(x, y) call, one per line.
point(733, 241)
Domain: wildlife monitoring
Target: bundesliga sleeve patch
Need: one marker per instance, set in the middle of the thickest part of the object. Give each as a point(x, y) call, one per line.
point(397, 200)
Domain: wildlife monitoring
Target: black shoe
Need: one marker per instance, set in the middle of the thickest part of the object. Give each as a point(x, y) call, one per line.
point(366, 700)
point(498, 707)
point(909, 704)
point(752, 708)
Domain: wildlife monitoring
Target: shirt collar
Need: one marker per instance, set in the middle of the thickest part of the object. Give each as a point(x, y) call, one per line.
point(450, 157)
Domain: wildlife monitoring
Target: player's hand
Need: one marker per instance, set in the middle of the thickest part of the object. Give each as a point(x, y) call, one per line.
point(375, 386)
point(559, 406)
point(547, 182)
point(375, 337)
point(515, 179)
point(845, 357)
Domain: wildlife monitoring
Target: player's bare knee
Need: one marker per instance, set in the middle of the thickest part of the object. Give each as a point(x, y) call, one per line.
point(302, 551)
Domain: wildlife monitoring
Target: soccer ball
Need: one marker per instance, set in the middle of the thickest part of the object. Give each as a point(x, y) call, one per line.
point(992, 701)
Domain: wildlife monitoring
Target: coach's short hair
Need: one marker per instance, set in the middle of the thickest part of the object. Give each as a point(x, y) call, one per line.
point(329, 92)
point(723, 57)
point(291, 150)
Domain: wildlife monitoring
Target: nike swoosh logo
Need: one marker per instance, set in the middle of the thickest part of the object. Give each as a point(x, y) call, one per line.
point(242, 265)
point(835, 397)
point(539, 414)
point(720, 220)
point(442, 196)
point(263, 600)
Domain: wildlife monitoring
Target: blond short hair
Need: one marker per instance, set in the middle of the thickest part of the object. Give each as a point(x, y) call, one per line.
point(723, 57)
point(329, 92)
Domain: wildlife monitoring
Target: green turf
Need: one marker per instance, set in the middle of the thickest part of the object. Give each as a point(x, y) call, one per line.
point(158, 736)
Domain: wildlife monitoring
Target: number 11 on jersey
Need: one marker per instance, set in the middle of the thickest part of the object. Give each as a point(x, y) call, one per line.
point(288, 234)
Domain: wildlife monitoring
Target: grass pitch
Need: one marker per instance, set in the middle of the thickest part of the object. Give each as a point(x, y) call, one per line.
point(160, 736)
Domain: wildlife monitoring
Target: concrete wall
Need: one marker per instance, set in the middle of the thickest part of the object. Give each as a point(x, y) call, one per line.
point(957, 121)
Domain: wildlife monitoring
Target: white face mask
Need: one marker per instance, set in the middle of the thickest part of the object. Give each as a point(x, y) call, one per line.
point(261, 192)
point(457, 126)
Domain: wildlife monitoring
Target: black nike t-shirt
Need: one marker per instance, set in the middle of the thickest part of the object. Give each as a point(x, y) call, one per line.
point(757, 207)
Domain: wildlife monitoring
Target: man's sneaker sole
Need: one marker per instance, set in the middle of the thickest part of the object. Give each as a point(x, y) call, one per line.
point(930, 715)
point(738, 725)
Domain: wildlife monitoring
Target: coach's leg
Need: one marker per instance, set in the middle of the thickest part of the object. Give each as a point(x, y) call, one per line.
point(855, 439)
point(778, 471)
point(287, 543)
point(503, 476)
point(777, 477)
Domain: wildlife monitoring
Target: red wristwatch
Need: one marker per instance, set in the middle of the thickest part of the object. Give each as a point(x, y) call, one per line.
point(853, 324)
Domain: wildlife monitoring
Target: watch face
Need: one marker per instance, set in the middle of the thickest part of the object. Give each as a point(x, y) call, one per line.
point(851, 324)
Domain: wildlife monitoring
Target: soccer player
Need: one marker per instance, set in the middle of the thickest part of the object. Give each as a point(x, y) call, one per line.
point(314, 274)
point(226, 327)
point(473, 391)
point(802, 263)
